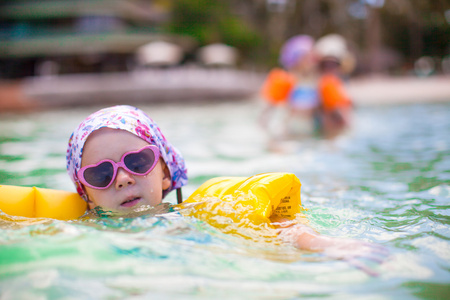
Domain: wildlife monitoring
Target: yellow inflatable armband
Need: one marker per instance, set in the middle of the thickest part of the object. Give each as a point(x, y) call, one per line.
point(33, 202)
point(243, 201)
point(252, 199)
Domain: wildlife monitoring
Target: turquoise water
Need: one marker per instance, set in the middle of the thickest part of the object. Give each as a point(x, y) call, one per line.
point(386, 181)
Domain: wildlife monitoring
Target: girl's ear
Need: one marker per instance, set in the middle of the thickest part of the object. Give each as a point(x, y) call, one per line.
point(167, 180)
point(90, 203)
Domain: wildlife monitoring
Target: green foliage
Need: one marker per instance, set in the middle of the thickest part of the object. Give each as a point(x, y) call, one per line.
point(190, 18)
point(212, 22)
point(410, 28)
point(234, 32)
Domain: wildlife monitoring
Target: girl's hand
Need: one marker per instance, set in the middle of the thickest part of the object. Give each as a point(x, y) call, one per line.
point(357, 253)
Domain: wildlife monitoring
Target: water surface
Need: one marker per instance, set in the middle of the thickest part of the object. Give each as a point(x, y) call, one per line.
point(386, 181)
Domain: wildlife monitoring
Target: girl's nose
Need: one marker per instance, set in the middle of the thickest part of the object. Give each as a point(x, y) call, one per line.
point(123, 179)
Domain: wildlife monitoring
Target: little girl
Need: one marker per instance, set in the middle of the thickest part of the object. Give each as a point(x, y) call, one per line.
point(293, 89)
point(118, 160)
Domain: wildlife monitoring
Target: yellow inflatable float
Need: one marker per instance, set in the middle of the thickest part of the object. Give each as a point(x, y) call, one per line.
point(233, 204)
point(260, 197)
point(33, 202)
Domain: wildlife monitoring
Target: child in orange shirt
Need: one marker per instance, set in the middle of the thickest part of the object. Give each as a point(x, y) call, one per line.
point(335, 105)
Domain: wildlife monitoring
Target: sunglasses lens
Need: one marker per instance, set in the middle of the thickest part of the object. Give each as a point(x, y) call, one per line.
point(140, 162)
point(99, 176)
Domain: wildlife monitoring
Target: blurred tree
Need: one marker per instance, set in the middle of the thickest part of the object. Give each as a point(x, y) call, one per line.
point(385, 34)
point(213, 22)
point(415, 28)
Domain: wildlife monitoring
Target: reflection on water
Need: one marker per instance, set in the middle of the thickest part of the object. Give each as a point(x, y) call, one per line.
point(387, 182)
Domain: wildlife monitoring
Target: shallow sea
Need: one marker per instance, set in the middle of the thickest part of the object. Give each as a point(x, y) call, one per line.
point(386, 181)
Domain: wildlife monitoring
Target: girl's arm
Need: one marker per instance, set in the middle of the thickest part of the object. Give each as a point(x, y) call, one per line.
point(351, 250)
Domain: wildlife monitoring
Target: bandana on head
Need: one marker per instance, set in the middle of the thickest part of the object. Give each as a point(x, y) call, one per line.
point(135, 121)
point(294, 49)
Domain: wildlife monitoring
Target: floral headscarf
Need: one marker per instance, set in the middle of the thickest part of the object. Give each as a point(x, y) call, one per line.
point(135, 121)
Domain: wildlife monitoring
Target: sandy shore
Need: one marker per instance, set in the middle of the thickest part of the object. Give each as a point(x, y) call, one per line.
point(24, 95)
point(398, 90)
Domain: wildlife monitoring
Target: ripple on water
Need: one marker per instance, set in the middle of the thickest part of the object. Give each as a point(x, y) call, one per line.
point(386, 181)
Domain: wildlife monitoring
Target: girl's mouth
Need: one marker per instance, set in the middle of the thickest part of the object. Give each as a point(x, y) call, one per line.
point(131, 202)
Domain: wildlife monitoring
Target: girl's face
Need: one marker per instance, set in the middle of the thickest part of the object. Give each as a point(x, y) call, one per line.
point(127, 190)
point(307, 63)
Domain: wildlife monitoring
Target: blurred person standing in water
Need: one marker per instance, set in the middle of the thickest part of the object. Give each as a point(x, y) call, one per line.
point(294, 89)
point(336, 106)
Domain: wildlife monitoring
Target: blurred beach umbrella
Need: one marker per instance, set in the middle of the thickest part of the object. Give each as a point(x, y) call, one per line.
point(218, 55)
point(159, 53)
